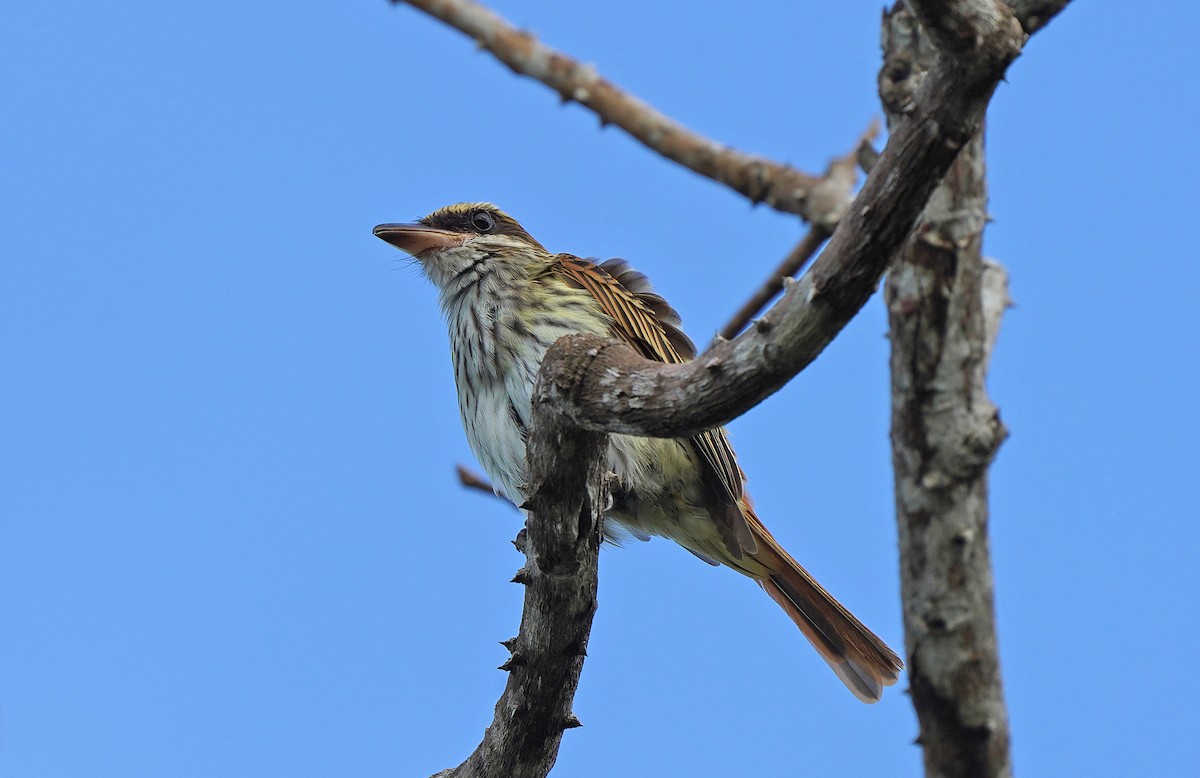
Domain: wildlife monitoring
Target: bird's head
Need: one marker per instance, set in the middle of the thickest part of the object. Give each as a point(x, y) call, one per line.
point(462, 243)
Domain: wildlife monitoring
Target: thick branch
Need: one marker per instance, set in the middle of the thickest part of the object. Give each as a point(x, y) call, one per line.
point(624, 393)
point(565, 503)
point(761, 180)
point(944, 307)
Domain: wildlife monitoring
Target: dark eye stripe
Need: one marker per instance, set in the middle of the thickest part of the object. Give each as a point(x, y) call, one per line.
point(461, 218)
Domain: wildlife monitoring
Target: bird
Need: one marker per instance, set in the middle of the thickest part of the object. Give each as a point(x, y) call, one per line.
point(506, 299)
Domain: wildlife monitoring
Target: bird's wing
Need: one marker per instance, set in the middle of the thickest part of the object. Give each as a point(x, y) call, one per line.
point(649, 324)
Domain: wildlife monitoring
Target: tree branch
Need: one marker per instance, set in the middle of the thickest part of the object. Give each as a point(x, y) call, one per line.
point(829, 202)
point(792, 264)
point(561, 542)
point(624, 393)
point(761, 180)
point(472, 480)
point(944, 308)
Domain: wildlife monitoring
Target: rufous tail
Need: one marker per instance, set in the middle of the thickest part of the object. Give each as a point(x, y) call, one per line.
point(857, 655)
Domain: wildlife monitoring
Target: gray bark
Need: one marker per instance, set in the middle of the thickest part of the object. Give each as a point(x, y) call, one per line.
point(944, 303)
point(561, 543)
point(622, 392)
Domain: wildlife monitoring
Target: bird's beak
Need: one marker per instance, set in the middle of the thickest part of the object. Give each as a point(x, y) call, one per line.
point(417, 238)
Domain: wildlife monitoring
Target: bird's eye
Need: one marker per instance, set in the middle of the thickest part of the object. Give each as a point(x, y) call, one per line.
point(483, 221)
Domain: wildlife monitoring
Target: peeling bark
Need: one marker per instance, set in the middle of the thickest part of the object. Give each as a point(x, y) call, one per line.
point(944, 306)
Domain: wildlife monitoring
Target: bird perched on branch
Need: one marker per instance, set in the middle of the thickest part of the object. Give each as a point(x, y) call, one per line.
point(507, 300)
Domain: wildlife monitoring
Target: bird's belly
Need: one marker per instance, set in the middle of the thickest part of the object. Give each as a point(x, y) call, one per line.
point(656, 488)
point(657, 491)
point(495, 431)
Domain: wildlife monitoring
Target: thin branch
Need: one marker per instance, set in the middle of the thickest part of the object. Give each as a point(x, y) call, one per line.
point(761, 180)
point(832, 196)
point(472, 480)
point(829, 201)
point(792, 264)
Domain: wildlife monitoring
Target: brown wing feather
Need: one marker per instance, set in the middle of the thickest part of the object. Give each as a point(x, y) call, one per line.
point(645, 321)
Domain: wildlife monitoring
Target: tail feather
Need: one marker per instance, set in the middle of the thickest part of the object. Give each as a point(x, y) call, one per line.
point(856, 654)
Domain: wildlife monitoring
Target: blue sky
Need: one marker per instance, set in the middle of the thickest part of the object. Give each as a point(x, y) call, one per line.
point(231, 543)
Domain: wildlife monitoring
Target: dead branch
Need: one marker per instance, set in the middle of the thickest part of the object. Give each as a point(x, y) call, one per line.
point(792, 264)
point(944, 307)
point(472, 480)
point(561, 542)
point(829, 201)
point(782, 187)
point(624, 393)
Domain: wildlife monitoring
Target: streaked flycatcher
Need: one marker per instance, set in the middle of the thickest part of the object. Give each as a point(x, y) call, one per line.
point(506, 300)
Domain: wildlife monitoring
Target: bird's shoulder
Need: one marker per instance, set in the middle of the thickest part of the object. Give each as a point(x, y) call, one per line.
point(644, 320)
point(641, 317)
